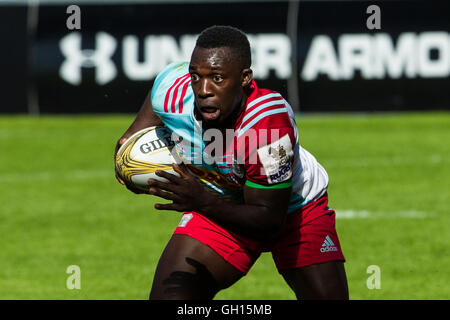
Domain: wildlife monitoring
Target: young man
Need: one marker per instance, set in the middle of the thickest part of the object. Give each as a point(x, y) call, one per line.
point(260, 192)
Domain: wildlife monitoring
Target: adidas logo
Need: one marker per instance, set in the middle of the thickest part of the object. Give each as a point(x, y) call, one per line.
point(328, 245)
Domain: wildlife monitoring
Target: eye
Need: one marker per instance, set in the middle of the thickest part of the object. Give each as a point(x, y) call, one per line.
point(194, 77)
point(217, 78)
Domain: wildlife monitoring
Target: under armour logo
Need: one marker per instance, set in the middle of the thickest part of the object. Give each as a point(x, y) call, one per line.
point(76, 58)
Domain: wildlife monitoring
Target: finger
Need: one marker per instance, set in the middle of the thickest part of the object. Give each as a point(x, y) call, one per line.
point(182, 170)
point(165, 195)
point(120, 180)
point(134, 189)
point(119, 144)
point(171, 177)
point(168, 206)
point(161, 185)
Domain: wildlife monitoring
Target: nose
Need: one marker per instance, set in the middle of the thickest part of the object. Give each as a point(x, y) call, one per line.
point(205, 89)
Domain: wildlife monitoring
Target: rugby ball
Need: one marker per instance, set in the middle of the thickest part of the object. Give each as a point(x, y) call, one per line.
point(142, 154)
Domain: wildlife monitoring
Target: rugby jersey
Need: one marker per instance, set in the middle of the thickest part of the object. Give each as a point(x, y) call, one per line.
point(261, 150)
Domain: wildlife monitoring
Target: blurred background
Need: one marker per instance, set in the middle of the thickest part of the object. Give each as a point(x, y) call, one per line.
point(371, 91)
point(320, 54)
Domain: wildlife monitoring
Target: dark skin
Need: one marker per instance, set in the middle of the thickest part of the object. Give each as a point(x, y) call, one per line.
point(260, 217)
point(187, 268)
point(219, 86)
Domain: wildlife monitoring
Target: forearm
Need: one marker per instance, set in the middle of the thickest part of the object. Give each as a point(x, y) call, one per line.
point(255, 221)
point(261, 215)
point(145, 118)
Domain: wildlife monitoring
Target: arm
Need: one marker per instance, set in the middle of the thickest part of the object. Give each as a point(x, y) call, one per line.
point(260, 217)
point(145, 118)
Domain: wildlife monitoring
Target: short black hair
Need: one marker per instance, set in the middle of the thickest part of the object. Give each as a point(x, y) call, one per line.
point(227, 36)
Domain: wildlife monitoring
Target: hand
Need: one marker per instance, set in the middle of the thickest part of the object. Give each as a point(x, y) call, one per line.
point(118, 145)
point(121, 181)
point(186, 192)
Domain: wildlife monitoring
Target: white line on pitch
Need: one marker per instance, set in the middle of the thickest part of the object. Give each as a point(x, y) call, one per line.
point(383, 161)
point(55, 175)
point(365, 214)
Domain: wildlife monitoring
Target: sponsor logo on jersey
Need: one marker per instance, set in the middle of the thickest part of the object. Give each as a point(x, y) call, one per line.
point(276, 159)
point(283, 173)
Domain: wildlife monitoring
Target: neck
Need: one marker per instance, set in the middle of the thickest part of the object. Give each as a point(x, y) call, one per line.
point(229, 123)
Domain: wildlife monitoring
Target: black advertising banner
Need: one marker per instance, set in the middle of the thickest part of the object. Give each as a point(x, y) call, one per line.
point(347, 64)
point(110, 63)
point(320, 55)
point(14, 73)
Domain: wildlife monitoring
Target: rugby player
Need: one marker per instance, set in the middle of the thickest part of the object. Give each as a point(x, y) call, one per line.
point(262, 193)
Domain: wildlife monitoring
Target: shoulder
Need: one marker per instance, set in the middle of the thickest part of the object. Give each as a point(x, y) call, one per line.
point(169, 75)
point(266, 109)
point(171, 89)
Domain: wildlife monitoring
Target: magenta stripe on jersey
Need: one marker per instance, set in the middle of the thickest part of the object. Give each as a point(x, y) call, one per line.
point(264, 109)
point(247, 111)
point(166, 99)
point(183, 94)
point(175, 94)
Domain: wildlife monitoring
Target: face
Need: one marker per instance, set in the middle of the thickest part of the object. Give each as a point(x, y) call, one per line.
point(218, 82)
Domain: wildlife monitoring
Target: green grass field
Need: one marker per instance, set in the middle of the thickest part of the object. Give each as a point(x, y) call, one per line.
point(61, 206)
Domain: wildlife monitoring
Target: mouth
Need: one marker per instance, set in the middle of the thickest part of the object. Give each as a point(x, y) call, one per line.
point(210, 113)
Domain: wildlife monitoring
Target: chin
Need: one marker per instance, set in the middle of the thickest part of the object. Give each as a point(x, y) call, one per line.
point(216, 121)
point(212, 123)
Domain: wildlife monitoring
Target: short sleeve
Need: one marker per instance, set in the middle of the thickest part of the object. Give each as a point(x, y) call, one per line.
point(170, 88)
point(267, 151)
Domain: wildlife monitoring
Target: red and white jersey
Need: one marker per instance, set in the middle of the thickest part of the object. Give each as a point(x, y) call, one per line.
point(261, 150)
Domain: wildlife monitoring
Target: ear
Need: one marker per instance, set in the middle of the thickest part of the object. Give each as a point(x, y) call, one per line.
point(247, 77)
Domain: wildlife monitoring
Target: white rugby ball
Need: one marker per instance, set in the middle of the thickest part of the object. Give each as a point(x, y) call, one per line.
point(142, 154)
